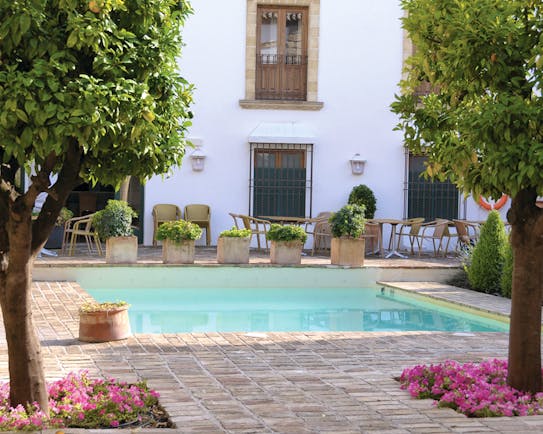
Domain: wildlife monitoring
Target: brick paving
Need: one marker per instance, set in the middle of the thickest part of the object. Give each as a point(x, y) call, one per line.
point(275, 382)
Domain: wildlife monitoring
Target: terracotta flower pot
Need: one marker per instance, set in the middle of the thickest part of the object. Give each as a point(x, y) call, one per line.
point(233, 250)
point(122, 250)
point(104, 325)
point(347, 251)
point(182, 252)
point(286, 252)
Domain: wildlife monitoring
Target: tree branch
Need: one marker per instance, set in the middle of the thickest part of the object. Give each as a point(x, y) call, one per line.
point(68, 178)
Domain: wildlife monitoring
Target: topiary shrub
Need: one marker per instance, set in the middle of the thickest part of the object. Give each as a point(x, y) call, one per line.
point(487, 260)
point(507, 274)
point(115, 220)
point(363, 195)
point(349, 221)
point(286, 233)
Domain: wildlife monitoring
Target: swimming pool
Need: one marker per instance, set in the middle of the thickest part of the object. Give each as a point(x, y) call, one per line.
point(246, 309)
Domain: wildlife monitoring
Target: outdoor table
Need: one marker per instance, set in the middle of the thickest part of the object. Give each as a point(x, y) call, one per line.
point(286, 220)
point(393, 224)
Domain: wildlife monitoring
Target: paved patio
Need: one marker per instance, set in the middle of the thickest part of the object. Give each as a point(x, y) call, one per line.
point(277, 382)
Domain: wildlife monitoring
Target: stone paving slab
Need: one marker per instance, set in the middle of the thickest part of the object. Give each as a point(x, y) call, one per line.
point(460, 296)
point(271, 382)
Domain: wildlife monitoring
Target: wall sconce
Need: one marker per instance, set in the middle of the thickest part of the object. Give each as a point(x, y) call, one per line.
point(197, 159)
point(357, 164)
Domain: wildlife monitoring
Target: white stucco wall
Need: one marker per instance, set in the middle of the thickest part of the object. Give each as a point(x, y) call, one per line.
point(360, 59)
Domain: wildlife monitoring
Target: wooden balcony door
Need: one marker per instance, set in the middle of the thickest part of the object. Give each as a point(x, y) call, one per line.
point(281, 70)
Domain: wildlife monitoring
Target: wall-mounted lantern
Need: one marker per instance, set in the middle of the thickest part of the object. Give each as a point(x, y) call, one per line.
point(197, 157)
point(357, 164)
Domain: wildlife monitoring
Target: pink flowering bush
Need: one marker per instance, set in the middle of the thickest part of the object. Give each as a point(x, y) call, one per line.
point(80, 402)
point(477, 390)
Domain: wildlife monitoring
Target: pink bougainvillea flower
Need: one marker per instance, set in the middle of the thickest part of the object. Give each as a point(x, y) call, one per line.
point(477, 390)
point(80, 402)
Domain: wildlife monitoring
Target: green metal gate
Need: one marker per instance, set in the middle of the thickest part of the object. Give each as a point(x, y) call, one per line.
point(429, 199)
point(281, 180)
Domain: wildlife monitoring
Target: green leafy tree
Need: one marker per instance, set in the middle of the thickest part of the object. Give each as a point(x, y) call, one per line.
point(488, 257)
point(480, 126)
point(88, 91)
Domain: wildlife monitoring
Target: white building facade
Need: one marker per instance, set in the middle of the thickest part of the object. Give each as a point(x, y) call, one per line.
point(287, 92)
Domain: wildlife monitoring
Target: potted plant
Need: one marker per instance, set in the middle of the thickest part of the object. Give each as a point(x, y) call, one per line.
point(103, 322)
point(233, 246)
point(178, 241)
point(114, 225)
point(347, 227)
point(363, 195)
point(286, 244)
point(55, 238)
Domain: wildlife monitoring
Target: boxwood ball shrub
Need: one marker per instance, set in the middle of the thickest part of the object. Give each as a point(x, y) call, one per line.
point(178, 230)
point(488, 258)
point(363, 195)
point(235, 233)
point(115, 220)
point(286, 233)
point(349, 221)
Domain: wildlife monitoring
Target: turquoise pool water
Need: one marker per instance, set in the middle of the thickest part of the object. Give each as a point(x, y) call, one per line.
point(179, 310)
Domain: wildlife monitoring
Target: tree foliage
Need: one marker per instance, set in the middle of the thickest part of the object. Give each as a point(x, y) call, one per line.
point(89, 91)
point(479, 124)
point(483, 62)
point(105, 79)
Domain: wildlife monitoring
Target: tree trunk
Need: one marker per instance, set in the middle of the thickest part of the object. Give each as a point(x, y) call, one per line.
point(123, 192)
point(526, 220)
point(27, 379)
point(21, 239)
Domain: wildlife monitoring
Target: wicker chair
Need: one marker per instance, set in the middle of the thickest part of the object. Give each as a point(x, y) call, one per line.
point(438, 232)
point(164, 213)
point(319, 227)
point(410, 228)
point(200, 215)
point(258, 227)
point(80, 227)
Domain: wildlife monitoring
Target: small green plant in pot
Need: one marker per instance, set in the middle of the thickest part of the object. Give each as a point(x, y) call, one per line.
point(347, 226)
point(363, 195)
point(178, 239)
point(236, 233)
point(55, 238)
point(115, 220)
point(114, 224)
point(286, 244)
point(233, 246)
point(349, 222)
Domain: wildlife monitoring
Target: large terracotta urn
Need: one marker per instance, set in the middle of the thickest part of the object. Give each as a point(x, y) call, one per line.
point(110, 324)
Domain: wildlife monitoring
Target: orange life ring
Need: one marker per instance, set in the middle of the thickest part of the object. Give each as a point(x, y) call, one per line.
point(489, 206)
